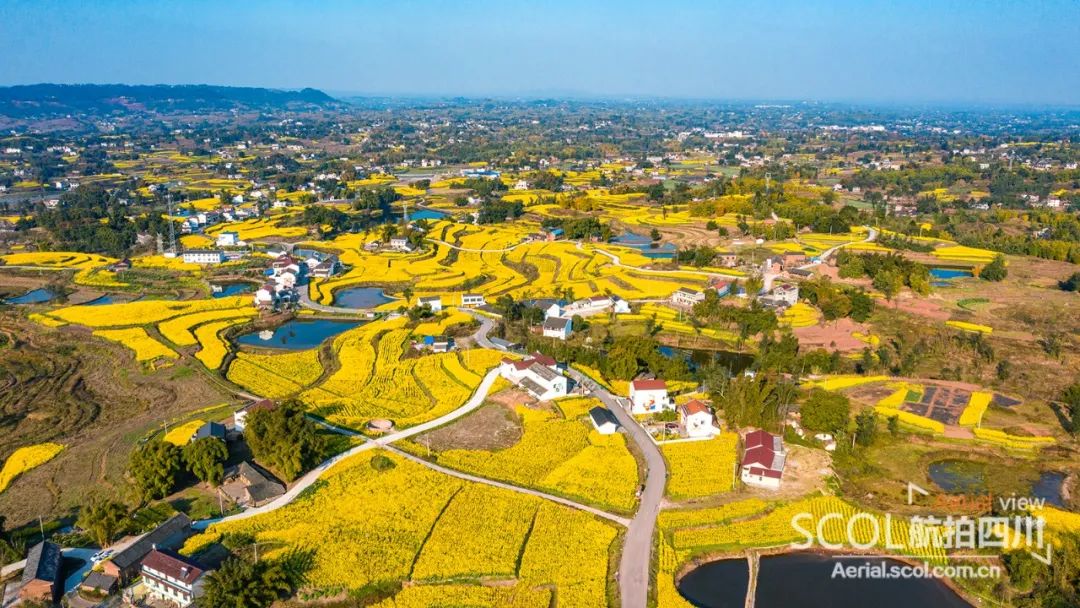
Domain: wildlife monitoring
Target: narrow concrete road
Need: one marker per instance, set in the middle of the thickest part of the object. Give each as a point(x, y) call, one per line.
point(637, 548)
point(460, 248)
point(313, 475)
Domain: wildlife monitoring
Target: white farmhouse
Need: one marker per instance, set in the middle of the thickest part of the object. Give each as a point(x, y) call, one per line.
point(697, 419)
point(649, 396)
point(603, 420)
point(538, 375)
point(763, 460)
point(203, 256)
point(559, 328)
point(472, 300)
point(400, 243)
point(433, 302)
point(687, 297)
point(228, 238)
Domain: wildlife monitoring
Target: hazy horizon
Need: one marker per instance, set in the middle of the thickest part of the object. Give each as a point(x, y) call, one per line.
point(997, 53)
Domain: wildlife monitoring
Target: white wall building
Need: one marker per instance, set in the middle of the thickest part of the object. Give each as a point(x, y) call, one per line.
point(763, 460)
point(559, 328)
point(649, 396)
point(435, 302)
point(697, 419)
point(203, 256)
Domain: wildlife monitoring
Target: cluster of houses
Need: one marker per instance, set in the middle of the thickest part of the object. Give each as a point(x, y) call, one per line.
point(538, 375)
point(557, 316)
point(780, 296)
point(196, 223)
point(165, 575)
point(286, 273)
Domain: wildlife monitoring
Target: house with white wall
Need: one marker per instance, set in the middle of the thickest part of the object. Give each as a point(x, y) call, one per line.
point(696, 419)
point(649, 397)
point(763, 460)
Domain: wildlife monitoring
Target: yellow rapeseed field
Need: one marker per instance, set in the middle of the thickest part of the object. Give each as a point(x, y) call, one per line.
point(275, 376)
point(181, 434)
point(366, 527)
point(136, 338)
point(701, 468)
point(561, 456)
point(26, 458)
point(143, 312)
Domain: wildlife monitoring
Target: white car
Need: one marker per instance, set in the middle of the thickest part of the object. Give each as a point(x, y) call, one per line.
point(101, 556)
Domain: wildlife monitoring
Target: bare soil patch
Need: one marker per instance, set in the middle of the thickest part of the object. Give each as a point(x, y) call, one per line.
point(494, 426)
point(834, 335)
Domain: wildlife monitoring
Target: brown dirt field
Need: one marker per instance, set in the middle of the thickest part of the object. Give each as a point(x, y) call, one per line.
point(492, 427)
point(834, 335)
point(90, 396)
point(924, 307)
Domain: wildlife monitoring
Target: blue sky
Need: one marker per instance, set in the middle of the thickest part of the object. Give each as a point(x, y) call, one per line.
point(986, 51)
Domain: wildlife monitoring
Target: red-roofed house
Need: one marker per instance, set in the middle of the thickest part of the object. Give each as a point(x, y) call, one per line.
point(538, 374)
point(649, 396)
point(172, 578)
point(697, 419)
point(763, 460)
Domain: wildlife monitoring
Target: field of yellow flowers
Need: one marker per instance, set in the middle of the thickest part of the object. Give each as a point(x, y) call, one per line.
point(506, 266)
point(368, 527)
point(26, 458)
point(275, 376)
point(701, 468)
point(375, 380)
point(559, 455)
point(136, 339)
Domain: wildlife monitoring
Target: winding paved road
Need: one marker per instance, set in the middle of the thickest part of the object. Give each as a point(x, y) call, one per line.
point(637, 547)
point(313, 475)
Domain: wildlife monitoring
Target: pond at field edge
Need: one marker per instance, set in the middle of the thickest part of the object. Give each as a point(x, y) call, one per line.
point(733, 361)
point(805, 580)
point(298, 334)
point(361, 297)
point(34, 296)
point(428, 214)
point(941, 277)
point(958, 476)
point(645, 245)
point(224, 290)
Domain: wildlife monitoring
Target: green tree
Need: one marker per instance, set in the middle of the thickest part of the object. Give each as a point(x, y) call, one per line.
point(995, 270)
point(1071, 398)
point(753, 285)
point(865, 427)
point(825, 411)
point(889, 282)
point(241, 584)
point(1072, 283)
point(154, 468)
point(283, 439)
point(894, 425)
point(102, 519)
point(205, 459)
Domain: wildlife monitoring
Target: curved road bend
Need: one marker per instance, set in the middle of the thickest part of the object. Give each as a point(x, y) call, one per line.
point(637, 548)
point(313, 475)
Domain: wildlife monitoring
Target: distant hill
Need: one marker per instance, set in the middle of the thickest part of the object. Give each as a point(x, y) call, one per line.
point(52, 100)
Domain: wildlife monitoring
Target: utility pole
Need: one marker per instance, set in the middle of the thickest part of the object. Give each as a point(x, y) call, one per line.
point(172, 226)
